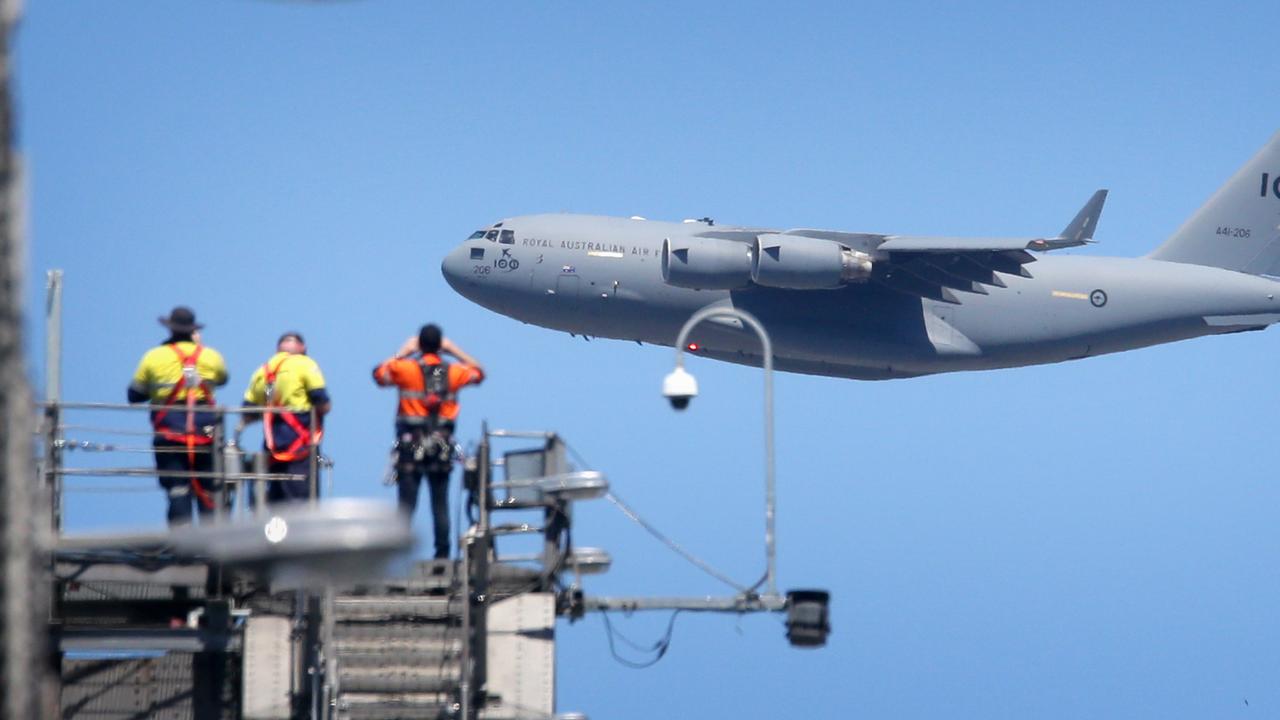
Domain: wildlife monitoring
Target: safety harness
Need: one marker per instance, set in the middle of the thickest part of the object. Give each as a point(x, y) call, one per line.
point(190, 381)
point(430, 439)
point(302, 435)
point(434, 394)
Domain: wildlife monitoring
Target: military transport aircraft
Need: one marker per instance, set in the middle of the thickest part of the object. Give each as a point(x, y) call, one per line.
point(875, 306)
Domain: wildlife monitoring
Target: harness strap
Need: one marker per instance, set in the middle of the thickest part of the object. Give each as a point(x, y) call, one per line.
point(302, 435)
point(432, 401)
point(190, 438)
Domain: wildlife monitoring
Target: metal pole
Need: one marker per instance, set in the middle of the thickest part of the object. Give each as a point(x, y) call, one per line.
point(313, 461)
point(476, 548)
point(484, 480)
point(770, 500)
point(556, 515)
point(464, 687)
point(218, 468)
point(53, 395)
point(53, 338)
point(329, 654)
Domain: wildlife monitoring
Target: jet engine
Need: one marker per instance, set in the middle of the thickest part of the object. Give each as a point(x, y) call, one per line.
point(706, 263)
point(796, 262)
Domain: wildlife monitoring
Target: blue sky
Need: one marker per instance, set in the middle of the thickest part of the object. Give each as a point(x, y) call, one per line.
point(1092, 539)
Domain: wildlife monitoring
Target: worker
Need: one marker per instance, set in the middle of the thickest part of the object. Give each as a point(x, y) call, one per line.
point(179, 375)
point(425, 419)
point(288, 387)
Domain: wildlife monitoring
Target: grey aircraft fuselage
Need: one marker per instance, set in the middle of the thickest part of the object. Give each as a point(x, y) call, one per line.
point(604, 277)
point(601, 276)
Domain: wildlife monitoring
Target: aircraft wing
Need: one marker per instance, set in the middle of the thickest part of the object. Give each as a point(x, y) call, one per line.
point(933, 267)
point(908, 243)
point(937, 271)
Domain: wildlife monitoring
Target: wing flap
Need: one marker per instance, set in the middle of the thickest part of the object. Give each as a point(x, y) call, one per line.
point(927, 271)
point(896, 278)
point(922, 244)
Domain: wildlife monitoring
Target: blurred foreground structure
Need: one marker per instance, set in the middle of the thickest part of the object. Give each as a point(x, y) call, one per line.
point(22, 532)
point(274, 612)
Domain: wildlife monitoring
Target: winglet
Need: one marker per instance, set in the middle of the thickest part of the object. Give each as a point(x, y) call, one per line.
point(1081, 228)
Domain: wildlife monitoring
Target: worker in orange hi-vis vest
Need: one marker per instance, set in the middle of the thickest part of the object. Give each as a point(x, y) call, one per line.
point(425, 418)
point(179, 375)
point(288, 386)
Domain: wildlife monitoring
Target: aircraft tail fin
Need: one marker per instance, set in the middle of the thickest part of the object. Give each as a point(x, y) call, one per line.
point(1238, 228)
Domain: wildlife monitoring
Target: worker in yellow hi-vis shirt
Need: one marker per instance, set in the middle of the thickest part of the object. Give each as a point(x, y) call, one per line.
point(180, 374)
point(289, 386)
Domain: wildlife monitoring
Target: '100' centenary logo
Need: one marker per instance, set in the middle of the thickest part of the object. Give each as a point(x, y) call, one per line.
point(1270, 186)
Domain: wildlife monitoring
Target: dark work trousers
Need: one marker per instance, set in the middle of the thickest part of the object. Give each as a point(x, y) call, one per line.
point(409, 476)
point(280, 491)
point(172, 459)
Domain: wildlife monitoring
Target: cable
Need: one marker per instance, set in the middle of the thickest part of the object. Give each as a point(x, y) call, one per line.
point(655, 532)
point(109, 431)
point(660, 647)
point(675, 546)
point(576, 455)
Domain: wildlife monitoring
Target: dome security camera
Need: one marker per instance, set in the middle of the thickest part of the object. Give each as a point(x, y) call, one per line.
point(679, 387)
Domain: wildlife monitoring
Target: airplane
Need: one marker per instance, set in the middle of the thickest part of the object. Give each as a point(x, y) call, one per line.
point(879, 306)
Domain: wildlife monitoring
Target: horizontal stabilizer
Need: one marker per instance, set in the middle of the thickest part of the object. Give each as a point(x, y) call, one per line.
point(1253, 320)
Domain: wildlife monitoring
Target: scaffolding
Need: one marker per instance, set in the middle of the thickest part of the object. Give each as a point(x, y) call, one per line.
point(279, 611)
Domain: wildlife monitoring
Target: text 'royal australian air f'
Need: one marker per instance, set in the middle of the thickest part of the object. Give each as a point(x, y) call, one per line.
point(874, 306)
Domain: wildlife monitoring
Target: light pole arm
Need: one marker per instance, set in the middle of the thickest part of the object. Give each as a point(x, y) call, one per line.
point(770, 500)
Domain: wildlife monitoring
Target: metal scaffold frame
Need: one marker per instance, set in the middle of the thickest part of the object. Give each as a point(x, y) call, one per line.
point(502, 605)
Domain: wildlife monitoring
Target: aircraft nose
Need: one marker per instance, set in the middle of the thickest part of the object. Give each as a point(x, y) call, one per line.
point(454, 267)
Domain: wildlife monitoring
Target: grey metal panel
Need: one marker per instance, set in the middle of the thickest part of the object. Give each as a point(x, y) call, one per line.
point(426, 585)
point(420, 639)
point(441, 677)
point(389, 608)
point(520, 652)
point(270, 663)
point(356, 634)
point(394, 658)
point(396, 706)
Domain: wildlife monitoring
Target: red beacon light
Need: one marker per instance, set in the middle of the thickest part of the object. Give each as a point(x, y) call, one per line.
point(694, 347)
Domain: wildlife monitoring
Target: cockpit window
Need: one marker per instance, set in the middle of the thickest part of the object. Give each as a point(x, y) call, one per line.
point(491, 236)
point(508, 237)
point(476, 235)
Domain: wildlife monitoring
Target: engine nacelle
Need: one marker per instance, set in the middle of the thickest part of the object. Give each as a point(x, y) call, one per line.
point(796, 262)
point(706, 263)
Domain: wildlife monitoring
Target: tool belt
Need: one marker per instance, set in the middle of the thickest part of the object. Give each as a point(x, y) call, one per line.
point(427, 446)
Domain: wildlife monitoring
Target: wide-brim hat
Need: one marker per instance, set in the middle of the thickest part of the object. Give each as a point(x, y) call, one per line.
point(181, 320)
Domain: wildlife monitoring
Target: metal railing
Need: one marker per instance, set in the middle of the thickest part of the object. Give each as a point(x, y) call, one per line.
point(239, 477)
